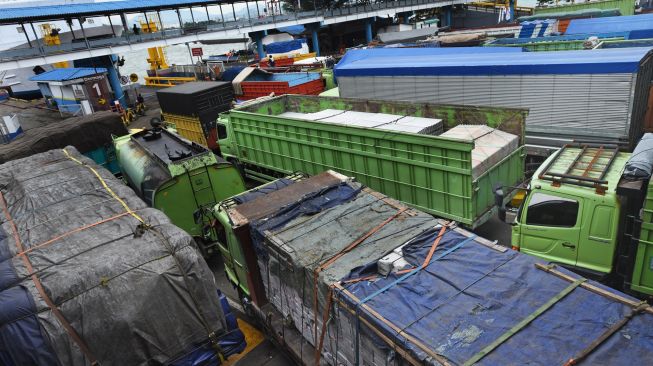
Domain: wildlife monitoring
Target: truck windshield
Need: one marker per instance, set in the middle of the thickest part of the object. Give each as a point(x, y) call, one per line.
point(548, 210)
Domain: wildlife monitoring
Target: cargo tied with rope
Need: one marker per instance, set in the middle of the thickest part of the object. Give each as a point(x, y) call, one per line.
point(91, 275)
point(351, 277)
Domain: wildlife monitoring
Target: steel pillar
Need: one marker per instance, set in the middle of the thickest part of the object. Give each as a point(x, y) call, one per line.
point(258, 37)
point(368, 30)
point(316, 40)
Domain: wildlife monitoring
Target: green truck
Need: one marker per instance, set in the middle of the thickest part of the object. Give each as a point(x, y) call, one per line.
point(397, 148)
point(181, 178)
point(585, 210)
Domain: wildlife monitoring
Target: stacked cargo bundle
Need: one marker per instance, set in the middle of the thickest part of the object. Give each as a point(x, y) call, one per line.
point(589, 95)
point(490, 145)
point(90, 275)
point(91, 135)
point(382, 121)
point(449, 298)
point(194, 107)
point(253, 83)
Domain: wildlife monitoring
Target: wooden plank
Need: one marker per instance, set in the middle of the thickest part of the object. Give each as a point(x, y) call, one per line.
point(588, 286)
point(412, 339)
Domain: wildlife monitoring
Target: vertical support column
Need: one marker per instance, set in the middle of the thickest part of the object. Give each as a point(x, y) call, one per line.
point(125, 27)
point(368, 30)
point(258, 37)
point(26, 35)
point(249, 16)
point(181, 23)
point(111, 25)
point(36, 36)
point(192, 17)
point(316, 40)
point(446, 14)
point(81, 26)
point(114, 80)
point(512, 10)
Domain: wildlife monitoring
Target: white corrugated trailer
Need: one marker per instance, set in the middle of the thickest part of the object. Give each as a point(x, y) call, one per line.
point(591, 95)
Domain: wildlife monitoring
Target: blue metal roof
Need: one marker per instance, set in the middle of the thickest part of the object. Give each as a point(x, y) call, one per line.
point(414, 62)
point(67, 74)
point(26, 14)
point(611, 24)
point(363, 54)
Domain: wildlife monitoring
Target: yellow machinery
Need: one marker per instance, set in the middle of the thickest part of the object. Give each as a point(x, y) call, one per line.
point(157, 56)
point(50, 37)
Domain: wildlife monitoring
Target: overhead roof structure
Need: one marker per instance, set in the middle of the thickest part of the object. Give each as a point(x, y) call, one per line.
point(65, 74)
point(611, 24)
point(416, 62)
point(40, 13)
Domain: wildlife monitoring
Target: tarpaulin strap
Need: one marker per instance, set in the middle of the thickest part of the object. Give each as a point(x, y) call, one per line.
point(332, 260)
point(426, 262)
point(416, 270)
point(398, 280)
point(429, 256)
point(607, 334)
point(39, 287)
point(325, 318)
point(106, 187)
point(524, 322)
point(82, 228)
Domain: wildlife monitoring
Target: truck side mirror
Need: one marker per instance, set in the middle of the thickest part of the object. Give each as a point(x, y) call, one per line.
point(499, 196)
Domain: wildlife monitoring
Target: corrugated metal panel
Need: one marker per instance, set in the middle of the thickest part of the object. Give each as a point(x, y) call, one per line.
point(8, 15)
point(67, 74)
point(411, 63)
point(613, 24)
point(572, 105)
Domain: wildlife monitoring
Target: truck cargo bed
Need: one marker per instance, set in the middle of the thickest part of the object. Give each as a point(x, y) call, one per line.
point(462, 300)
point(435, 174)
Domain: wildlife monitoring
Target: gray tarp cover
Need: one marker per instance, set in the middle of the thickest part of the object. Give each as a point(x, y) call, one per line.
point(640, 164)
point(134, 296)
point(84, 133)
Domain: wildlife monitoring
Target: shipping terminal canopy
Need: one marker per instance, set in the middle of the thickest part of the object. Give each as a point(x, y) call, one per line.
point(408, 62)
point(39, 13)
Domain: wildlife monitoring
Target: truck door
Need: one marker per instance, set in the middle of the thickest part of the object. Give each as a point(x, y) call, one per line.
point(598, 239)
point(551, 227)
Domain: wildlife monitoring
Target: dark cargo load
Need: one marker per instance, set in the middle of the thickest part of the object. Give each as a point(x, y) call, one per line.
point(89, 274)
point(203, 99)
point(85, 133)
point(366, 280)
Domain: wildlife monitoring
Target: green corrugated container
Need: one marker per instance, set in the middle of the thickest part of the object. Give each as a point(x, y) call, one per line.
point(431, 173)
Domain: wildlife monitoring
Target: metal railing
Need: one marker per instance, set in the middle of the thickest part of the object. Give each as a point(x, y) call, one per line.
point(127, 38)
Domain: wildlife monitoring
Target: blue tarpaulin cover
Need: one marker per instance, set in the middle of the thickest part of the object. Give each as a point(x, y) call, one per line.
point(286, 46)
point(376, 62)
point(470, 294)
point(611, 24)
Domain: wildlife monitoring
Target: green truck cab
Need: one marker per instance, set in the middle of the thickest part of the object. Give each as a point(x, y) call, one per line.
point(181, 178)
point(232, 232)
point(580, 211)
